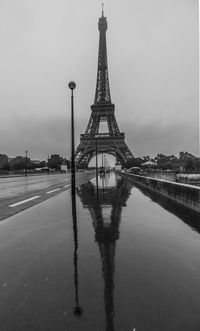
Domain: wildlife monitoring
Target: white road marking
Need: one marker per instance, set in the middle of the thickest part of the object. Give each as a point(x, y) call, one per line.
point(67, 185)
point(57, 189)
point(24, 201)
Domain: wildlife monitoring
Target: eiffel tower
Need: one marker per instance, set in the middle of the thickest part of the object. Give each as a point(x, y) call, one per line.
point(103, 110)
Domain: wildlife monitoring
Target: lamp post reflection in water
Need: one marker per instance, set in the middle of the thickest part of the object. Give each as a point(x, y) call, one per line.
point(77, 310)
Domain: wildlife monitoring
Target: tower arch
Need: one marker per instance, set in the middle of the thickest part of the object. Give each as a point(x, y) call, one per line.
point(87, 155)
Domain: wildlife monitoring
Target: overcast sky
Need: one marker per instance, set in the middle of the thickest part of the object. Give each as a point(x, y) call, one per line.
point(153, 72)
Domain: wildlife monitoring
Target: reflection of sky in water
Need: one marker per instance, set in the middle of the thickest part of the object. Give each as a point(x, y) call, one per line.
point(107, 180)
point(106, 212)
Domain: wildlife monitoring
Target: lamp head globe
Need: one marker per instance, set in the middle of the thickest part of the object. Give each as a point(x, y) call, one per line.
point(72, 85)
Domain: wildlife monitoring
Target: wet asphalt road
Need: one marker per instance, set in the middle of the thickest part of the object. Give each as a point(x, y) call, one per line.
point(14, 186)
point(126, 260)
point(19, 193)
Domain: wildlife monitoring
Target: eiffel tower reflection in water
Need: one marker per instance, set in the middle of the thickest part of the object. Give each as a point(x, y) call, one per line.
point(105, 206)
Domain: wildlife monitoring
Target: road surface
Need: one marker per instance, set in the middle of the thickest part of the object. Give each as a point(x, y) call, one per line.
point(19, 193)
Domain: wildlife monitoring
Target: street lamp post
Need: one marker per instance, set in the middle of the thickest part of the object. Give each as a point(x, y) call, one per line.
point(96, 163)
point(72, 86)
point(96, 154)
point(48, 164)
point(26, 164)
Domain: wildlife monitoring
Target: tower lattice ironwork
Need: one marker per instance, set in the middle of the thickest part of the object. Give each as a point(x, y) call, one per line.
point(103, 110)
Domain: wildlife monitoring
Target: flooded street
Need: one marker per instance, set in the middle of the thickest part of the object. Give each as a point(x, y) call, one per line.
point(129, 261)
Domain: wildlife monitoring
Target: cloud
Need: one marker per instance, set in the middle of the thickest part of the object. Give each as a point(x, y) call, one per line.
point(40, 136)
point(153, 70)
point(153, 138)
point(48, 135)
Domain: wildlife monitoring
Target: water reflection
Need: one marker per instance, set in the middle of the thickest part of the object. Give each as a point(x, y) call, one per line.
point(105, 206)
point(77, 311)
point(187, 215)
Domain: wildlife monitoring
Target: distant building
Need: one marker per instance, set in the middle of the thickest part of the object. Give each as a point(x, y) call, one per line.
point(43, 169)
point(106, 164)
point(118, 166)
point(36, 162)
point(63, 167)
point(149, 164)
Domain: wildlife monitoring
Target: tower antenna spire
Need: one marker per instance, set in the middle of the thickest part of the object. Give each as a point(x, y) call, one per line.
point(102, 9)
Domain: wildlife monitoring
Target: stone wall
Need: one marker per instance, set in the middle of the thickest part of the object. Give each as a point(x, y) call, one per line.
point(184, 194)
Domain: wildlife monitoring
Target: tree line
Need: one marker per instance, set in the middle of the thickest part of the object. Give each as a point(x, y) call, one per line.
point(19, 163)
point(184, 162)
